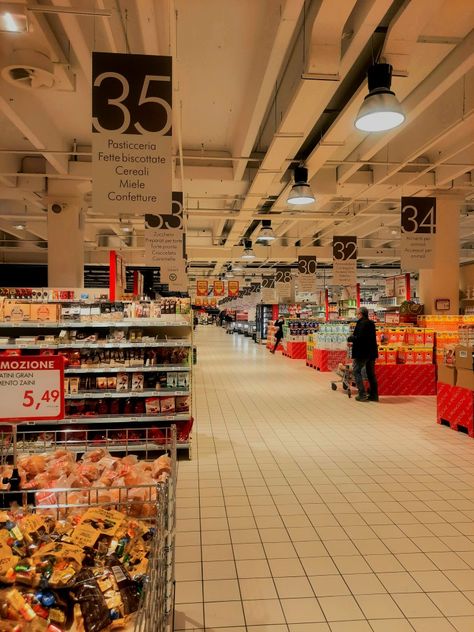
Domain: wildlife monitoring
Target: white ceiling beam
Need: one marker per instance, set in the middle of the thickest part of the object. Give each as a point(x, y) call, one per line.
point(311, 93)
point(113, 28)
point(256, 105)
point(34, 123)
point(72, 28)
point(404, 31)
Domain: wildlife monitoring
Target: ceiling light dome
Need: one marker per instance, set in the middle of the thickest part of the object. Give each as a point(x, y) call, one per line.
point(266, 234)
point(248, 250)
point(301, 191)
point(381, 110)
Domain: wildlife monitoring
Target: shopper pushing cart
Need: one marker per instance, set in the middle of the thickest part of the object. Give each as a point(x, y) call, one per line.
point(364, 354)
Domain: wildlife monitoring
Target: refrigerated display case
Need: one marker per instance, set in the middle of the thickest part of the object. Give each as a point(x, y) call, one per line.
point(264, 317)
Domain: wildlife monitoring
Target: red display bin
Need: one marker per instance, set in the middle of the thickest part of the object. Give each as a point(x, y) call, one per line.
point(325, 360)
point(455, 405)
point(406, 379)
point(295, 350)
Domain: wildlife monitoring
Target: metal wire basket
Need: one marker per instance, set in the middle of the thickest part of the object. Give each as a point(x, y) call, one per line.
point(155, 505)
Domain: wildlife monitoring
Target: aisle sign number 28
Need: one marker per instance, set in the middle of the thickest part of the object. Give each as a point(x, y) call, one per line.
point(283, 275)
point(132, 94)
point(344, 248)
point(419, 215)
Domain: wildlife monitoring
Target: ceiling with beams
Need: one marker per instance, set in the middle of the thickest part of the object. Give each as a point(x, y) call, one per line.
point(260, 86)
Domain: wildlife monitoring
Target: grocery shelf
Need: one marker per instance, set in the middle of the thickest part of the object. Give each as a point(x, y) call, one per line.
point(128, 369)
point(97, 345)
point(105, 394)
point(111, 446)
point(108, 419)
point(137, 322)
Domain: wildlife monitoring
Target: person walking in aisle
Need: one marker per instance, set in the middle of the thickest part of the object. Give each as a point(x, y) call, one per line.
point(279, 333)
point(364, 354)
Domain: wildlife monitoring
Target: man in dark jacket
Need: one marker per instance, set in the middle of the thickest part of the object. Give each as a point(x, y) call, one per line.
point(364, 354)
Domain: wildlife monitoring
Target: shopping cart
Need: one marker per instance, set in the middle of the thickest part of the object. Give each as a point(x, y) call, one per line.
point(345, 378)
point(345, 374)
point(156, 507)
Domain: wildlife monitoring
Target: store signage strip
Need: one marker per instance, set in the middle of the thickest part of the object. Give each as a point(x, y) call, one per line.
point(344, 257)
point(307, 266)
point(418, 230)
point(132, 133)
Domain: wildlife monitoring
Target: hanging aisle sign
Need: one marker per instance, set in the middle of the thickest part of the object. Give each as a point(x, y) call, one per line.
point(307, 275)
point(132, 133)
point(344, 260)
point(418, 230)
point(268, 289)
point(165, 244)
point(283, 284)
point(219, 288)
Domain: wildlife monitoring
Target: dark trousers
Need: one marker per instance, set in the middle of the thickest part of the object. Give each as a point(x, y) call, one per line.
point(369, 366)
point(277, 342)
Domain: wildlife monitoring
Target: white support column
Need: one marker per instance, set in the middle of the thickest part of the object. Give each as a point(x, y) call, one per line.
point(65, 243)
point(442, 281)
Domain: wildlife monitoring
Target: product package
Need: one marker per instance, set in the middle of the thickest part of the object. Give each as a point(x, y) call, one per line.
point(122, 382)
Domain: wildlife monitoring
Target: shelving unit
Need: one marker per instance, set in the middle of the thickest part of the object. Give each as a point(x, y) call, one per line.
point(107, 414)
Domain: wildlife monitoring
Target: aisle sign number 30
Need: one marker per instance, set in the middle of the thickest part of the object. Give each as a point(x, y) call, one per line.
point(307, 265)
point(127, 99)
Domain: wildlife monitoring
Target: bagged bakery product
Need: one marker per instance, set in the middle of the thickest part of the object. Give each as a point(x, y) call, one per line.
point(93, 607)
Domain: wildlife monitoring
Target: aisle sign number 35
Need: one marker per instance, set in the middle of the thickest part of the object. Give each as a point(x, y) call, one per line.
point(132, 94)
point(419, 215)
point(344, 248)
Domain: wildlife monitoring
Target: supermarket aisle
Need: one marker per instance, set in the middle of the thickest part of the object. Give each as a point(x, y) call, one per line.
point(304, 511)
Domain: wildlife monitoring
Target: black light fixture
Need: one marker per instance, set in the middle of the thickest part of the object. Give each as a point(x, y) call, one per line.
point(266, 233)
point(300, 191)
point(248, 250)
point(381, 110)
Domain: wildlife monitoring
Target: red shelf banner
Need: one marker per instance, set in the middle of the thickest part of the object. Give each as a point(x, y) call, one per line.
point(202, 288)
point(233, 288)
point(219, 288)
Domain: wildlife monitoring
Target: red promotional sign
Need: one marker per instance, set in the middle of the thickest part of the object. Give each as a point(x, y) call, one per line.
point(31, 388)
point(233, 288)
point(202, 288)
point(219, 288)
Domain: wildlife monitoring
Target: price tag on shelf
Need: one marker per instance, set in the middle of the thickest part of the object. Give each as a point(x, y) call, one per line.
point(31, 388)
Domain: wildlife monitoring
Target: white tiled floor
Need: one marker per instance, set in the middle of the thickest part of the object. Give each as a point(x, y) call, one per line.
point(304, 511)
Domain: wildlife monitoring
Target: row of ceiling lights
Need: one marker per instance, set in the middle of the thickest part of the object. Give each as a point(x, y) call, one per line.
point(380, 112)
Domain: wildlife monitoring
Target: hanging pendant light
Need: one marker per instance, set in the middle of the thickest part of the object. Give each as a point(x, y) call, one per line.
point(248, 250)
point(301, 191)
point(381, 110)
point(266, 234)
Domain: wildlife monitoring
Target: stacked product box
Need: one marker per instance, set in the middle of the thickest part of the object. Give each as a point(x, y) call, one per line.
point(332, 336)
point(448, 331)
point(405, 345)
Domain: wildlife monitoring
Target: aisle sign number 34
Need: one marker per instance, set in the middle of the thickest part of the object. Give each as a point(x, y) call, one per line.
point(419, 215)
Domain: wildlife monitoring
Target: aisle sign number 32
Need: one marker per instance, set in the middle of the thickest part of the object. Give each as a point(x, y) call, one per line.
point(132, 94)
point(344, 248)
